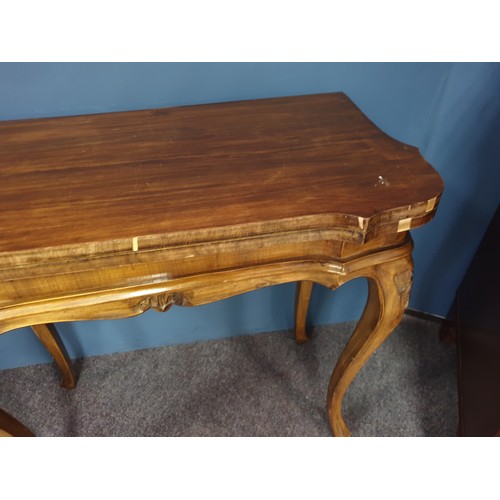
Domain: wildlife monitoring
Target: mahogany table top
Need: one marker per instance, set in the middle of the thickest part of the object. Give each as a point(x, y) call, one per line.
point(231, 170)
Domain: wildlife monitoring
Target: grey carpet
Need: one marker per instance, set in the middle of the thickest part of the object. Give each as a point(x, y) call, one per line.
point(256, 385)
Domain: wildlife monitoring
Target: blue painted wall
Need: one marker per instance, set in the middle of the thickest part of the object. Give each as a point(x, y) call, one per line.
point(450, 111)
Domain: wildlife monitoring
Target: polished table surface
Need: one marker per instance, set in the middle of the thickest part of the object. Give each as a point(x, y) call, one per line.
point(108, 215)
point(294, 162)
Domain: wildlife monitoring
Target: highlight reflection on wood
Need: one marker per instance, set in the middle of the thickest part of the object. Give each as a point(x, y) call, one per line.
point(302, 298)
point(108, 216)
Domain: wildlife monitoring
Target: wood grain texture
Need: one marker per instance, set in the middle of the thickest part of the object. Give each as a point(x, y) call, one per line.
point(230, 170)
point(126, 294)
point(108, 216)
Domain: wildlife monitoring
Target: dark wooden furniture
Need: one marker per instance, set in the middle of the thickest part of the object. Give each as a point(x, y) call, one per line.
point(478, 320)
point(107, 216)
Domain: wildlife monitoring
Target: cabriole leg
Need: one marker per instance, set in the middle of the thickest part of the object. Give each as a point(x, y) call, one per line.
point(389, 288)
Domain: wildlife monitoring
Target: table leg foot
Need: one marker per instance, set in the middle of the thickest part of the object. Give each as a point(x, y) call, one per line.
point(389, 287)
point(49, 337)
point(302, 298)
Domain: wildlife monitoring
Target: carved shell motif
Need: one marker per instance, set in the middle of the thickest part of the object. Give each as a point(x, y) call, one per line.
point(161, 302)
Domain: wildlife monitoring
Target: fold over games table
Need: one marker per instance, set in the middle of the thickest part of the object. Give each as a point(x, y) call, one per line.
point(110, 215)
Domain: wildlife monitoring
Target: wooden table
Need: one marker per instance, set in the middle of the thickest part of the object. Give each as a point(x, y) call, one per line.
point(106, 216)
